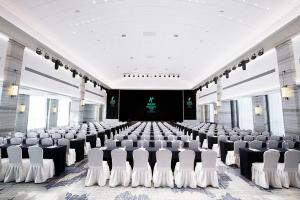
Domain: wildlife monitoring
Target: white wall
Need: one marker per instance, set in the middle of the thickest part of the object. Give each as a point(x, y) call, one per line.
point(92, 98)
point(39, 63)
point(209, 98)
point(257, 86)
point(3, 49)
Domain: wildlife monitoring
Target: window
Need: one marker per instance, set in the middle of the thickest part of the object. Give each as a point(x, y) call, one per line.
point(276, 114)
point(37, 116)
point(63, 112)
point(211, 113)
point(245, 113)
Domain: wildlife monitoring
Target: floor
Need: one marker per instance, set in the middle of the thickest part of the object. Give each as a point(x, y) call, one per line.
point(70, 186)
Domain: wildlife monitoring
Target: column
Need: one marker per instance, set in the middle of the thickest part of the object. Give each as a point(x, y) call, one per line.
point(12, 74)
point(82, 96)
point(287, 74)
point(260, 113)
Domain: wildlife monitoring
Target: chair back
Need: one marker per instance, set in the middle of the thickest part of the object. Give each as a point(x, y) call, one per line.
point(186, 159)
point(177, 144)
point(19, 135)
point(222, 138)
point(237, 145)
point(56, 136)
point(132, 137)
point(234, 138)
point(194, 145)
point(289, 144)
point(143, 143)
point(31, 135)
point(47, 141)
point(274, 137)
point(118, 157)
point(81, 136)
point(110, 143)
point(69, 136)
point(288, 137)
point(261, 138)
point(16, 141)
point(255, 144)
point(209, 159)
point(271, 158)
point(158, 137)
point(32, 141)
point(249, 138)
point(272, 144)
point(145, 137)
point(171, 137)
point(127, 143)
point(118, 137)
point(185, 138)
point(64, 142)
point(265, 133)
point(140, 158)
point(95, 157)
point(35, 155)
point(291, 160)
point(160, 144)
point(163, 158)
point(14, 154)
point(44, 135)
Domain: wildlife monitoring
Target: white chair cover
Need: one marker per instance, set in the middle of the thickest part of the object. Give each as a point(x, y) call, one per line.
point(265, 174)
point(44, 135)
point(274, 137)
point(184, 173)
point(160, 144)
point(177, 144)
point(194, 145)
point(233, 157)
point(31, 135)
point(248, 138)
point(98, 171)
point(69, 136)
point(110, 143)
point(16, 141)
point(162, 173)
point(127, 143)
point(289, 144)
point(56, 136)
point(261, 138)
point(17, 168)
point(142, 173)
point(272, 144)
point(121, 170)
point(47, 141)
point(32, 141)
point(289, 170)
point(255, 144)
point(70, 153)
point(40, 169)
point(19, 135)
point(206, 173)
point(143, 143)
point(87, 145)
point(98, 142)
point(3, 166)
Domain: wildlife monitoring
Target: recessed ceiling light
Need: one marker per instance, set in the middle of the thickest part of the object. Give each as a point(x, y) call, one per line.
point(77, 11)
point(169, 57)
point(131, 57)
point(123, 35)
point(175, 35)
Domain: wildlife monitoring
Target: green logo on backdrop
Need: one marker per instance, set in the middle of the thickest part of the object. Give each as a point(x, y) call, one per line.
point(189, 103)
point(151, 105)
point(112, 101)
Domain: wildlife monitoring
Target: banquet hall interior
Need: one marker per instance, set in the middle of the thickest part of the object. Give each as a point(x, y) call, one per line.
point(149, 99)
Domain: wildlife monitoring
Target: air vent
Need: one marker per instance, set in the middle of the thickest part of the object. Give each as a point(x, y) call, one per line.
point(149, 34)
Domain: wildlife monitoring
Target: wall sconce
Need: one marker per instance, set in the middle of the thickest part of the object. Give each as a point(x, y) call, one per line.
point(258, 110)
point(22, 108)
point(218, 103)
point(82, 102)
point(54, 109)
point(285, 92)
point(13, 90)
point(215, 111)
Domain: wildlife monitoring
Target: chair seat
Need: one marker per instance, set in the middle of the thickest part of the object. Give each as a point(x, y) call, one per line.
point(97, 175)
point(184, 177)
point(206, 176)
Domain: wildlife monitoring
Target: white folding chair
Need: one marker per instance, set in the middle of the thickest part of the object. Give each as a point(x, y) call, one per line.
point(248, 138)
point(142, 173)
point(176, 144)
point(233, 157)
point(274, 137)
point(70, 153)
point(289, 144)
point(19, 135)
point(288, 171)
point(162, 173)
point(40, 169)
point(261, 138)
point(206, 173)
point(121, 170)
point(184, 173)
point(47, 142)
point(3, 166)
point(234, 138)
point(56, 136)
point(98, 170)
point(266, 174)
point(17, 168)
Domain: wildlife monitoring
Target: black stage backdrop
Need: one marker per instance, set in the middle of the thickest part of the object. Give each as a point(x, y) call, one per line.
point(151, 105)
point(189, 104)
point(112, 109)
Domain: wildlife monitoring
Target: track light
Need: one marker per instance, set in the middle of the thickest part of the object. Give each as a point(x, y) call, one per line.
point(178, 76)
point(86, 79)
point(234, 68)
point(216, 80)
point(91, 81)
point(53, 59)
point(206, 84)
point(46, 56)
point(38, 51)
point(247, 60)
point(74, 73)
point(200, 88)
point(66, 67)
point(226, 73)
point(253, 56)
point(80, 75)
point(101, 87)
point(260, 52)
point(56, 64)
point(243, 64)
point(95, 83)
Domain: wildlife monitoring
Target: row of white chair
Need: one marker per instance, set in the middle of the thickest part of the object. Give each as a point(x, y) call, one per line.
point(184, 174)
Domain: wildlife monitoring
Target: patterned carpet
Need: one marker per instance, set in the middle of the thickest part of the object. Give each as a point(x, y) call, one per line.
point(70, 186)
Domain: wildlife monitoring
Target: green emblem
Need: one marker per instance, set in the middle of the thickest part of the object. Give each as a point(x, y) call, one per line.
point(112, 101)
point(151, 105)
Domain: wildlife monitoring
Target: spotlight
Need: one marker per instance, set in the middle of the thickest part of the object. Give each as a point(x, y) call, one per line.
point(210, 81)
point(155, 76)
point(173, 76)
point(234, 68)
point(178, 76)
point(91, 81)
point(133, 75)
point(60, 63)
point(138, 75)
point(74, 73)
point(243, 65)
point(56, 64)
point(221, 75)
point(53, 59)
point(128, 75)
point(38, 51)
point(124, 75)
point(206, 84)
point(46, 56)
point(247, 60)
point(66, 67)
point(200, 88)
point(86, 79)
point(143, 76)
point(260, 52)
point(165, 76)
point(216, 80)
point(95, 83)
point(169, 76)
point(159, 76)
point(80, 75)
point(147, 75)
point(226, 73)
point(253, 56)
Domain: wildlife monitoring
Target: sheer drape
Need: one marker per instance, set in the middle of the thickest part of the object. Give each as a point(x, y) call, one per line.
point(63, 112)
point(276, 114)
point(37, 116)
point(245, 113)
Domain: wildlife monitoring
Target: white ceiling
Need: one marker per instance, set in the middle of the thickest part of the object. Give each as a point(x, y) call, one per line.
point(210, 33)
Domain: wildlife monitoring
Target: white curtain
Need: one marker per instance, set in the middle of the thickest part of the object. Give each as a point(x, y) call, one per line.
point(211, 113)
point(245, 113)
point(63, 112)
point(37, 116)
point(276, 114)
